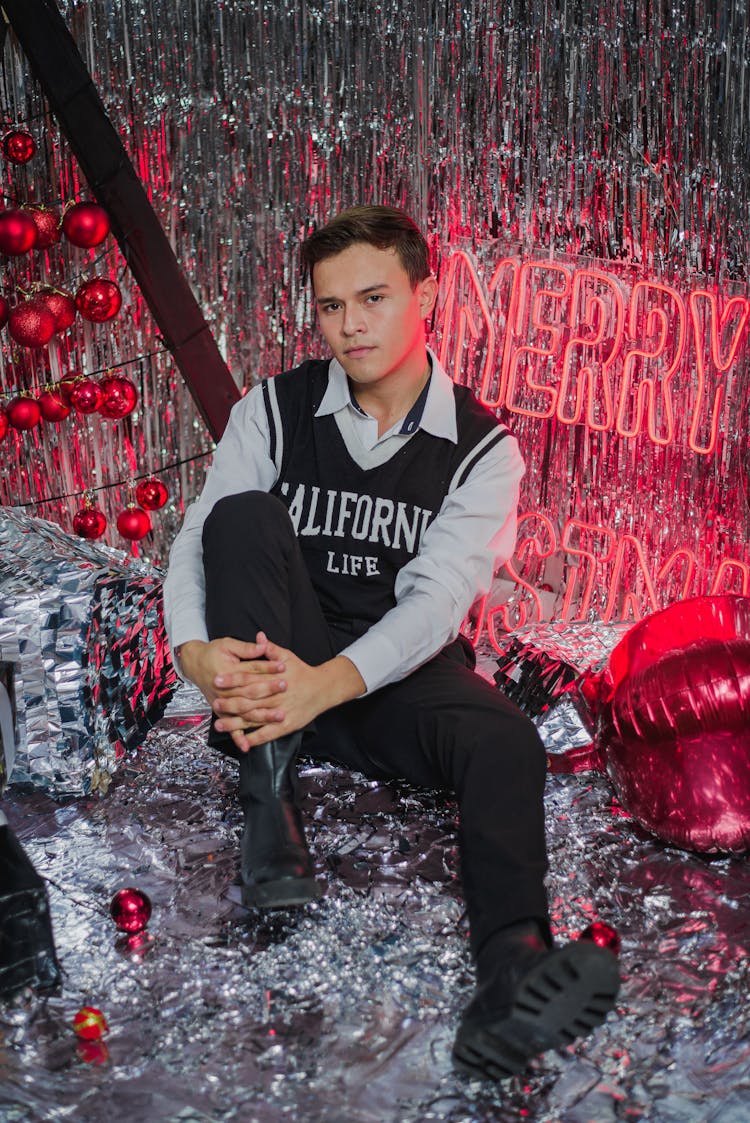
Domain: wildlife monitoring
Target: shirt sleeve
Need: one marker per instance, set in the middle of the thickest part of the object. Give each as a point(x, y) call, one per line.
point(473, 533)
point(242, 462)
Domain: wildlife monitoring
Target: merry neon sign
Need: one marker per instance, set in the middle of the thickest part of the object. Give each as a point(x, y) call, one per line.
point(584, 346)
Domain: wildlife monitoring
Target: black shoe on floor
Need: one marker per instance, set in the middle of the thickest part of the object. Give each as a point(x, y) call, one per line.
point(277, 870)
point(532, 997)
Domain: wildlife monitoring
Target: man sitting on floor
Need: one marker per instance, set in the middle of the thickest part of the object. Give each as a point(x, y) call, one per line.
point(355, 509)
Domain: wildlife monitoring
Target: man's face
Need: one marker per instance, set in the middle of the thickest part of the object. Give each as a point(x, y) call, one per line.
point(371, 317)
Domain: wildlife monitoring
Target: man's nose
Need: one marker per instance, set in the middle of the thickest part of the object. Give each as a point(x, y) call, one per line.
point(353, 320)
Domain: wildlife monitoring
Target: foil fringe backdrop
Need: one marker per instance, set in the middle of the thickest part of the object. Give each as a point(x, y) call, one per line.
point(617, 132)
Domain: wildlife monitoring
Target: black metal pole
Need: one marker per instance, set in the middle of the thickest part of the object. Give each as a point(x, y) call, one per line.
point(67, 84)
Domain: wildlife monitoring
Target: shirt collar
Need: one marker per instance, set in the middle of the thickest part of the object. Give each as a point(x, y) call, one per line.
point(439, 406)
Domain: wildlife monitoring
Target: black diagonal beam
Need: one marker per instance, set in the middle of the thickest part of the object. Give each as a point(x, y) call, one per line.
point(72, 96)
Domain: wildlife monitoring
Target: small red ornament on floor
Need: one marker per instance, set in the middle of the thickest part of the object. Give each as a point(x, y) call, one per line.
point(90, 1024)
point(61, 304)
point(120, 397)
point(92, 1052)
point(130, 909)
point(47, 222)
point(89, 522)
point(603, 935)
point(98, 300)
point(18, 146)
point(85, 224)
point(18, 232)
point(52, 405)
point(23, 412)
point(86, 396)
point(151, 494)
point(133, 523)
point(31, 323)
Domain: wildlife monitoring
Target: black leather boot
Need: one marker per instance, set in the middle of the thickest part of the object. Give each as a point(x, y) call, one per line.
point(531, 997)
point(276, 865)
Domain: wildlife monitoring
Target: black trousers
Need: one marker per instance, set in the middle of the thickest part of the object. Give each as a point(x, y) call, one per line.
point(443, 726)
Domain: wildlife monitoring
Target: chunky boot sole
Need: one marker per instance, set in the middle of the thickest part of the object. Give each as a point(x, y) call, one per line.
point(280, 894)
point(565, 996)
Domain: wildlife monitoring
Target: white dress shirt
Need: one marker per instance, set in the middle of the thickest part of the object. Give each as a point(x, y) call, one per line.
point(473, 533)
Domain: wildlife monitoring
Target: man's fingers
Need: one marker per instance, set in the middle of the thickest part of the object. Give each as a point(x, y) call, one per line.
point(228, 679)
point(243, 649)
point(249, 740)
point(253, 718)
point(271, 694)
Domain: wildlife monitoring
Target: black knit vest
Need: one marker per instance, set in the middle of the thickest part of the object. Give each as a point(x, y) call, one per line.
point(358, 527)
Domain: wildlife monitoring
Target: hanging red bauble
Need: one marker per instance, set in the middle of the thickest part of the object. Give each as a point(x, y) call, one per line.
point(603, 935)
point(98, 300)
point(47, 222)
point(52, 405)
point(62, 306)
point(86, 224)
point(4, 422)
point(23, 412)
point(31, 323)
point(89, 522)
point(151, 494)
point(133, 523)
point(65, 387)
point(4, 311)
point(90, 1024)
point(130, 908)
point(120, 397)
point(86, 396)
point(18, 146)
point(18, 232)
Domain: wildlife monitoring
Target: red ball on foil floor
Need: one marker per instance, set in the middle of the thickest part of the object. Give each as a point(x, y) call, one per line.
point(603, 935)
point(90, 1024)
point(130, 909)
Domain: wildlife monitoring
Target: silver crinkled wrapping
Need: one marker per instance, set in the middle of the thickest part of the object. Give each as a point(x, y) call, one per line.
point(81, 627)
point(540, 667)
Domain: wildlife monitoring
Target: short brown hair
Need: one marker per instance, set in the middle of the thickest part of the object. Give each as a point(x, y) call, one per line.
point(383, 227)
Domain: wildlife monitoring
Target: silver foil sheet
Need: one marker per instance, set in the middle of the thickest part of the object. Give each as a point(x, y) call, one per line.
point(81, 627)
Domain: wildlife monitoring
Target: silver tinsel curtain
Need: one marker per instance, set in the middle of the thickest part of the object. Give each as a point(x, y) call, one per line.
point(614, 132)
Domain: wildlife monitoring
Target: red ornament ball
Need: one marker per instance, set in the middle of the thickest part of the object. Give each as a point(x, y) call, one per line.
point(65, 387)
point(120, 397)
point(130, 908)
point(86, 396)
point(90, 1024)
point(4, 311)
point(4, 422)
point(603, 935)
point(92, 1052)
point(134, 523)
point(98, 300)
point(89, 522)
point(23, 412)
point(47, 222)
point(18, 146)
point(61, 305)
point(31, 323)
point(18, 232)
point(85, 224)
point(52, 405)
point(151, 494)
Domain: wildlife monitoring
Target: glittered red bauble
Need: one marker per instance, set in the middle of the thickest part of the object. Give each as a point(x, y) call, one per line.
point(90, 1024)
point(61, 305)
point(674, 728)
point(52, 405)
point(24, 413)
point(86, 396)
point(89, 522)
point(31, 323)
point(151, 494)
point(98, 300)
point(86, 224)
point(18, 146)
point(47, 222)
point(4, 423)
point(133, 523)
point(603, 935)
point(18, 232)
point(120, 397)
point(130, 908)
point(4, 311)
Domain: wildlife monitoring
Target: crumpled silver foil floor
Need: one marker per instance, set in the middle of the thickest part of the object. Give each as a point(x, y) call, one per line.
point(345, 1011)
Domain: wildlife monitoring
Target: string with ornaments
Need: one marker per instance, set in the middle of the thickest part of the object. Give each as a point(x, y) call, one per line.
point(47, 310)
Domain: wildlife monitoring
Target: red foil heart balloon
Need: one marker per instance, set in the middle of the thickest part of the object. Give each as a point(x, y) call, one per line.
point(675, 726)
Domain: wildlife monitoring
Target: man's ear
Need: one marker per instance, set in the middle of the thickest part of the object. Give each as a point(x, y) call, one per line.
point(428, 290)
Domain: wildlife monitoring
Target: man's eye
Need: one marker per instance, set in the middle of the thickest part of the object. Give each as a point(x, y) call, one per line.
point(376, 296)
